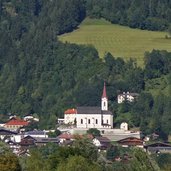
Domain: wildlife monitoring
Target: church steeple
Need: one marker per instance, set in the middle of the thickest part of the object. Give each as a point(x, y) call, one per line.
point(104, 99)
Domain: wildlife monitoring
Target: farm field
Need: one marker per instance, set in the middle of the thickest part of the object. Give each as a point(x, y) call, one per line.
point(120, 41)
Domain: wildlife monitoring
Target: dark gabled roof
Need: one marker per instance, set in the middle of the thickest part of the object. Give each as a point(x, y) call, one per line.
point(35, 132)
point(47, 140)
point(29, 137)
point(158, 144)
point(103, 139)
point(88, 110)
point(6, 132)
point(92, 110)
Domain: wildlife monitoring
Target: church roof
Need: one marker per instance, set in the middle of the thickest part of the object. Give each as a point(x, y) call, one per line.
point(92, 110)
point(104, 91)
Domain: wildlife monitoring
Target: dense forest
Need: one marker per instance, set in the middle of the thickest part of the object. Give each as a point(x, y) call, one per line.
point(42, 76)
point(143, 14)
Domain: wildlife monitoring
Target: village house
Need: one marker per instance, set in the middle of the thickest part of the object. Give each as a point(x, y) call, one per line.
point(70, 116)
point(4, 134)
point(15, 123)
point(131, 142)
point(29, 141)
point(158, 147)
point(101, 142)
point(129, 97)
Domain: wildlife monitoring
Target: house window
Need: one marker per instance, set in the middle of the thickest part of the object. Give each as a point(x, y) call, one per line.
point(88, 121)
point(96, 121)
point(81, 121)
point(104, 104)
point(107, 121)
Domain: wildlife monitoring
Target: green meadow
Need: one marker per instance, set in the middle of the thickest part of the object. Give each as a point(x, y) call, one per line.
point(120, 41)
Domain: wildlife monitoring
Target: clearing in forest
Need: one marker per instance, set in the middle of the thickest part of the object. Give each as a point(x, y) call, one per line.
point(120, 41)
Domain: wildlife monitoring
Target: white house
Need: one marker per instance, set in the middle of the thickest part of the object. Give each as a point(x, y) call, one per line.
point(95, 117)
point(70, 116)
point(124, 126)
point(130, 97)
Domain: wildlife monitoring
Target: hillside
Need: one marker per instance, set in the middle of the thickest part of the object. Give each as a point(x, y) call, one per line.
point(41, 75)
point(120, 41)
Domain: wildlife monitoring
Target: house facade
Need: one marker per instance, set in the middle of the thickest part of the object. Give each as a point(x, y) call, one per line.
point(130, 97)
point(158, 147)
point(131, 141)
point(101, 142)
point(15, 124)
point(70, 116)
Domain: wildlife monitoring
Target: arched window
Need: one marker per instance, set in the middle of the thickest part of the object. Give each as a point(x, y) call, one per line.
point(81, 121)
point(96, 121)
point(88, 121)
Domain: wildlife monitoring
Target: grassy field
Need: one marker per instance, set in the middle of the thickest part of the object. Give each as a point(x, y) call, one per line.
point(119, 40)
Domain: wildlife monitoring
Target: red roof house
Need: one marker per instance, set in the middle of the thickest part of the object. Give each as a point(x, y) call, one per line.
point(15, 123)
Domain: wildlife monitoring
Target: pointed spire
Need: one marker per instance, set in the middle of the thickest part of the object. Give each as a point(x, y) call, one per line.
point(104, 91)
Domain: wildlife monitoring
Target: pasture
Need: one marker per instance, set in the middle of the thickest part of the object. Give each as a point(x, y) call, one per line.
point(120, 41)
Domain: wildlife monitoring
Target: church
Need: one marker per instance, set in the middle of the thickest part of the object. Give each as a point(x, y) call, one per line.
point(91, 117)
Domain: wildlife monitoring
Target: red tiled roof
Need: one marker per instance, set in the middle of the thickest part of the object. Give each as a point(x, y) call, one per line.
point(71, 111)
point(16, 121)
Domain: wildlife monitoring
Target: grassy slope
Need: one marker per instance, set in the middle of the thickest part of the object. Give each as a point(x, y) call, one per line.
point(121, 41)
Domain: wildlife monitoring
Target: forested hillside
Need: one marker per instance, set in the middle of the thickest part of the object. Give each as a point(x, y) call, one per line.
point(143, 14)
point(41, 75)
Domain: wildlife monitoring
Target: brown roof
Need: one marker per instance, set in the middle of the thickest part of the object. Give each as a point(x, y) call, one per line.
point(131, 141)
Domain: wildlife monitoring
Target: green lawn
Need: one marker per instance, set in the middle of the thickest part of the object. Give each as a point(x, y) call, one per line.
point(119, 40)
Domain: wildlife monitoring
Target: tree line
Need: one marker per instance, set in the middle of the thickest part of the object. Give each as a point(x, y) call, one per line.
point(143, 14)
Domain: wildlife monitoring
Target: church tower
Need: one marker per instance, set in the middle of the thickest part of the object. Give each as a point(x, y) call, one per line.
point(104, 99)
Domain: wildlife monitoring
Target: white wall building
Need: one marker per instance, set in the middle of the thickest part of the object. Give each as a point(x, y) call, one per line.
point(124, 126)
point(70, 116)
point(130, 97)
point(90, 117)
point(95, 117)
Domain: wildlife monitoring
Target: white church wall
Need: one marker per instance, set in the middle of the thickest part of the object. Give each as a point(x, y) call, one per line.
point(89, 121)
point(94, 121)
point(108, 119)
